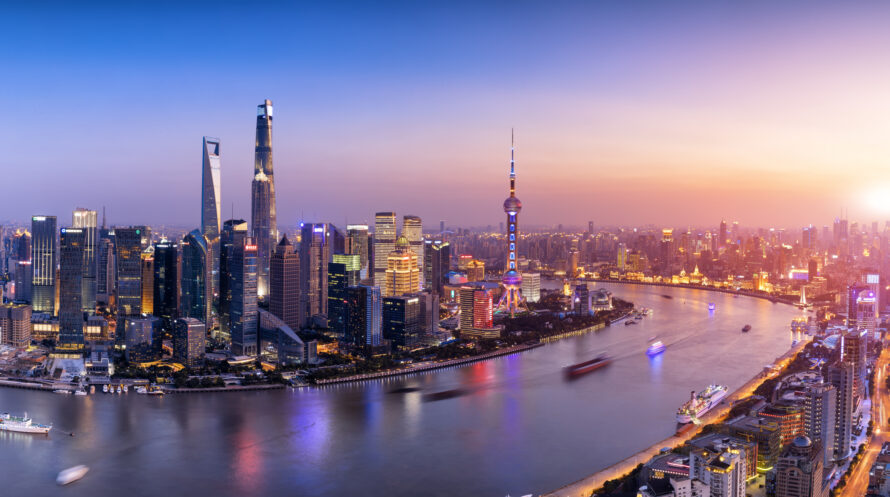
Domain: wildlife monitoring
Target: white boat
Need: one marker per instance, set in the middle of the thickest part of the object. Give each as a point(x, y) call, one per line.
point(125, 388)
point(22, 424)
point(105, 388)
point(71, 475)
point(80, 392)
point(63, 391)
point(156, 391)
point(699, 404)
point(141, 390)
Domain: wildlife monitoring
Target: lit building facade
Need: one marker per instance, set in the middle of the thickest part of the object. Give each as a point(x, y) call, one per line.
point(243, 308)
point(189, 336)
point(263, 217)
point(531, 287)
point(43, 264)
point(128, 280)
point(15, 325)
point(210, 202)
point(315, 253)
point(384, 243)
point(234, 232)
point(70, 292)
point(402, 272)
point(195, 298)
point(357, 244)
point(284, 285)
point(87, 220)
point(412, 230)
point(402, 324)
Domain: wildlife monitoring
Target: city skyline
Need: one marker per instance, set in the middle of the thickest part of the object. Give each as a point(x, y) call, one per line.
point(735, 122)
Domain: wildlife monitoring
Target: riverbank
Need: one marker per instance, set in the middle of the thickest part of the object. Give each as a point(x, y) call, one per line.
point(431, 366)
point(742, 293)
point(586, 486)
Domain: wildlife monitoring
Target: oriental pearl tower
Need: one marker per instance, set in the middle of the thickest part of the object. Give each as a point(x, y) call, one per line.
point(512, 279)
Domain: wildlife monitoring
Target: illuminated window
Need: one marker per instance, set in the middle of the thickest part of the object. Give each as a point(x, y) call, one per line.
point(512, 246)
point(512, 227)
point(512, 255)
point(512, 237)
point(512, 265)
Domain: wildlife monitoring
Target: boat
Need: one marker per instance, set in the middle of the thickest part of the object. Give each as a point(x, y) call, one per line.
point(746, 328)
point(80, 392)
point(667, 296)
point(701, 403)
point(22, 424)
point(588, 366)
point(155, 391)
point(72, 474)
point(638, 317)
point(105, 388)
point(712, 306)
point(141, 390)
point(646, 311)
point(656, 348)
point(629, 322)
point(124, 388)
point(63, 391)
point(444, 394)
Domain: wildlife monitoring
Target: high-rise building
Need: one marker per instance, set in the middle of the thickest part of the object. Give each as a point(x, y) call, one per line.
point(476, 313)
point(284, 285)
point(476, 270)
point(531, 287)
point(820, 408)
point(357, 244)
point(243, 308)
point(143, 339)
point(402, 272)
point(365, 322)
point(412, 230)
point(263, 220)
point(86, 220)
point(148, 281)
point(338, 309)
point(195, 299)
point(799, 470)
point(210, 202)
point(437, 264)
point(233, 234)
point(43, 263)
point(352, 265)
point(189, 336)
point(105, 266)
point(166, 282)
point(23, 282)
point(315, 253)
point(384, 243)
point(15, 325)
point(72, 242)
point(402, 324)
point(128, 281)
point(512, 279)
point(841, 376)
point(853, 351)
point(581, 300)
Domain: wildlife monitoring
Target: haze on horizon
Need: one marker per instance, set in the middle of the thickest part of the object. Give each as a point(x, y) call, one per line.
point(771, 114)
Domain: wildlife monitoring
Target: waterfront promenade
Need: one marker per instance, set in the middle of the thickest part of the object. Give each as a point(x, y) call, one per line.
point(586, 486)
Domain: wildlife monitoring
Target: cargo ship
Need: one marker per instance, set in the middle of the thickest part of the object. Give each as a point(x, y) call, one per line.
point(22, 424)
point(701, 403)
point(587, 366)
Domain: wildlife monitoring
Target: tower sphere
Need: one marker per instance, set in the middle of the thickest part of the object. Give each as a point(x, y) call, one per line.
point(512, 278)
point(512, 205)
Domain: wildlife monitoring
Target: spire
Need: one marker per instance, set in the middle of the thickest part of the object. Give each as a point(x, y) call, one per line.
point(512, 167)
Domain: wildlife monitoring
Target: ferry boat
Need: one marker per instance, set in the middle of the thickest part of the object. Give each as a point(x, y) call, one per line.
point(63, 391)
point(701, 403)
point(656, 348)
point(588, 366)
point(746, 328)
point(80, 392)
point(105, 388)
point(22, 424)
point(712, 306)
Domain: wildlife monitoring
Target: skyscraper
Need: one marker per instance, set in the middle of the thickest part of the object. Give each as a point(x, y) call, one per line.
point(210, 202)
point(357, 244)
point(148, 281)
point(402, 272)
point(72, 243)
point(365, 321)
point(243, 308)
point(412, 230)
point(128, 282)
point(189, 336)
point(338, 282)
point(43, 263)
point(512, 280)
point(820, 408)
point(315, 253)
point(384, 243)
point(437, 264)
point(841, 375)
point(234, 232)
point(352, 265)
point(262, 215)
point(166, 282)
point(86, 220)
point(402, 323)
point(799, 470)
point(195, 300)
point(105, 265)
point(284, 285)
point(15, 324)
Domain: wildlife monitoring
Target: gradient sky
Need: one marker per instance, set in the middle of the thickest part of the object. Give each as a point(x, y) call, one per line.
point(673, 113)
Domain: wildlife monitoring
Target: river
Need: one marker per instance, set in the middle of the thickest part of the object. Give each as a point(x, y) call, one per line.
point(519, 428)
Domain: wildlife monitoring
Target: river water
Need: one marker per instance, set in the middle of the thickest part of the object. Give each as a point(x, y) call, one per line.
point(519, 428)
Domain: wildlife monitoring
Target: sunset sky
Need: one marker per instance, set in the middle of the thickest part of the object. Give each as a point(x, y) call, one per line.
point(672, 113)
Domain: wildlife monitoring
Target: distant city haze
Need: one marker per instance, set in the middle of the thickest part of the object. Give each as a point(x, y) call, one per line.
point(768, 113)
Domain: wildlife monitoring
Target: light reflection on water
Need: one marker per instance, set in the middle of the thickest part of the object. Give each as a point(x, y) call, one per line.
point(519, 428)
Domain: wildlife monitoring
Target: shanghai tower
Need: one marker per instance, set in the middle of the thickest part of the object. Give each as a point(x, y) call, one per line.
point(262, 197)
